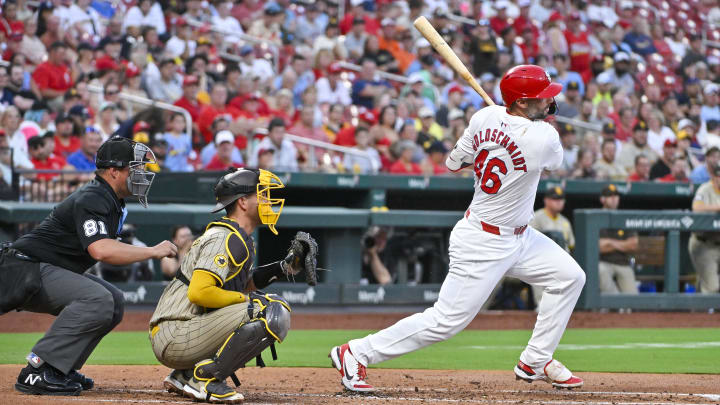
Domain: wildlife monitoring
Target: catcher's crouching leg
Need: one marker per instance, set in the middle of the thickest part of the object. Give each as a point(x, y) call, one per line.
point(251, 338)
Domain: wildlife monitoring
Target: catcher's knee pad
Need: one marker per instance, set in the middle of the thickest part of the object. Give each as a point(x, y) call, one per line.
point(271, 324)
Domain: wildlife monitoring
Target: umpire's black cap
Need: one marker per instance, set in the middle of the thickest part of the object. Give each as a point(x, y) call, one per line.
point(233, 185)
point(115, 152)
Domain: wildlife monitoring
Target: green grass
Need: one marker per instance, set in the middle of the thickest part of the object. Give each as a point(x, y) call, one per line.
point(500, 350)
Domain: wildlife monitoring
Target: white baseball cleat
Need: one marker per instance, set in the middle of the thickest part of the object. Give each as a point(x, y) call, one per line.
point(352, 371)
point(554, 373)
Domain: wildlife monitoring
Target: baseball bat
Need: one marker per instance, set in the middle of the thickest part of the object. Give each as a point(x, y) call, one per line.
point(442, 47)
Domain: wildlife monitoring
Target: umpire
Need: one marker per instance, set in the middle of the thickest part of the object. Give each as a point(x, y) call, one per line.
point(79, 232)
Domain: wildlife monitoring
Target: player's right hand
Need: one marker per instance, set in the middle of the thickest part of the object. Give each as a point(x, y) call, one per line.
point(164, 249)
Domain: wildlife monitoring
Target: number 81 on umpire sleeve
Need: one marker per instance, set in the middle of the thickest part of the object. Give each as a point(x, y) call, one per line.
point(91, 227)
point(489, 180)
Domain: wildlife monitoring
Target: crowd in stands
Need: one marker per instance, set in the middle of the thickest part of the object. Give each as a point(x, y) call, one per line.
point(640, 99)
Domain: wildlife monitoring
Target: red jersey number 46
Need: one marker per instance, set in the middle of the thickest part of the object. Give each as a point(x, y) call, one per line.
point(489, 179)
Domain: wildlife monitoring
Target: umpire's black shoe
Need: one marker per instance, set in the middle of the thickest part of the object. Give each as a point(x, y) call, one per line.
point(86, 382)
point(45, 380)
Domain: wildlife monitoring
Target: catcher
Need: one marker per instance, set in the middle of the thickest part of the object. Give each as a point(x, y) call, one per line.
point(211, 319)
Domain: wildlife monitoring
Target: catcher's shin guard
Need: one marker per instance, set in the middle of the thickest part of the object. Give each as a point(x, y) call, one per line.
point(271, 324)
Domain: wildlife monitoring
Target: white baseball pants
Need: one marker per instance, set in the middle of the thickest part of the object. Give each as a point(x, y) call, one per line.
point(478, 261)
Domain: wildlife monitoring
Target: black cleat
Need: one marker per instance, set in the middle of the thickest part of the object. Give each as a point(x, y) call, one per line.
point(45, 380)
point(85, 382)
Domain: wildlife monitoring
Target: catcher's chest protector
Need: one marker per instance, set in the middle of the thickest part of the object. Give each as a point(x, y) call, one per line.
point(240, 249)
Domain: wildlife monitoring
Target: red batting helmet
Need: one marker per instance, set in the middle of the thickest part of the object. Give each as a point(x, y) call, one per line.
point(527, 81)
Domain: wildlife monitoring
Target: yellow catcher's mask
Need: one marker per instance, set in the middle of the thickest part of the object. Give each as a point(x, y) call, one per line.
point(269, 208)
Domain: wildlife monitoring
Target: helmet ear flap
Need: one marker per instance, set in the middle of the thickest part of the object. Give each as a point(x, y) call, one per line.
point(553, 108)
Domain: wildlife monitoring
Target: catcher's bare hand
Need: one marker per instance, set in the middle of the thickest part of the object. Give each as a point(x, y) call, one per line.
point(302, 255)
point(164, 249)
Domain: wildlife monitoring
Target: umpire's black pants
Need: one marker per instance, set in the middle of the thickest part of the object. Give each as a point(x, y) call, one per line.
point(87, 309)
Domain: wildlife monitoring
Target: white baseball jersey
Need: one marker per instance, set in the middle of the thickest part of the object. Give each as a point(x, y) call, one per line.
point(508, 154)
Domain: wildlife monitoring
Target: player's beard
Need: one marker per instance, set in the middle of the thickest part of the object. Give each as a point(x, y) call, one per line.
point(537, 113)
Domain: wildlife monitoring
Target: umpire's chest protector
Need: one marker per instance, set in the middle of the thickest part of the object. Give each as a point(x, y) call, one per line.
point(240, 250)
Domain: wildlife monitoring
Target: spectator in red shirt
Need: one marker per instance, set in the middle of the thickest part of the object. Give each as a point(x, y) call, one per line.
point(524, 21)
point(678, 172)
point(188, 100)
point(642, 169)
point(65, 141)
point(43, 159)
point(404, 164)
point(579, 47)
point(304, 127)
point(218, 106)
point(358, 11)
point(501, 20)
point(223, 155)
point(52, 79)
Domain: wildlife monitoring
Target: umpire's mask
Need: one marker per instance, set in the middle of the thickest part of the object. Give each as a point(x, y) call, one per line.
point(119, 152)
point(241, 182)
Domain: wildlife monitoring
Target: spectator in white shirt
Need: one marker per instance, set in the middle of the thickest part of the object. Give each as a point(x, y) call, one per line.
point(285, 156)
point(358, 164)
point(181, 45)
point(84, 22)
point(331, 89)
point(146, 12)
point(229, 25)
point(355, 39)
point(168, 88)
point(255, 67)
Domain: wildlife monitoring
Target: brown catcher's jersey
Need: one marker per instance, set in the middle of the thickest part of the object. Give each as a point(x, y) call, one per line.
point(226, 251)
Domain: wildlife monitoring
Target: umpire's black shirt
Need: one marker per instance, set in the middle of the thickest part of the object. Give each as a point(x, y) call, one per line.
point(91, 213)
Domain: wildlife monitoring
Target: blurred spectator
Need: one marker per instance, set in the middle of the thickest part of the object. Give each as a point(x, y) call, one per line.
point(188, 101)
point(218, 106)
point(434, 165)
point(358, 11)
point(5, 167)
point(483, 49)
point(362, 165)
point(374, 271)
point(616, 246)
point(701, 174)
point(384, 131)
point(10, 123)
point(712, 134)
point(311, 24)
point(84, 158)
point(570, 105)
point(704, 247)
point(642, 169)
point(382, 58)
point(685, 140)
point(43, 159)
point(224, 144)
point(305, 128)
point(693, 55)
point(454, 100)
point(637, 146)
point(220, 124)
point(331, 89)
point(678, 172)
point(254, 67)
point(606, 167)
point(710, 109)
point(106, 121)
point(661, 168)
point(31, 46)
point(426, 123)
point(145, 13)
point(229, 25)
point(408, 133)
point(182, 237)
point(179, 145)
point(52, 79)
point(658, 133)
point(334, 122)
point(638, 38)
point(181, 45)
point(265, 159)
point(579, 47)
point(169, 86)
point(84, 23)
point(355, 39)
point(268, 26)
point(65, 141)
point(285, 156)
point(404, 164)
point(619, 75)
point(570, 149)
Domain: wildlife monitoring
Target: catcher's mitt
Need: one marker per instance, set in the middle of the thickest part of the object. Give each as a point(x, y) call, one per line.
point(302, 255)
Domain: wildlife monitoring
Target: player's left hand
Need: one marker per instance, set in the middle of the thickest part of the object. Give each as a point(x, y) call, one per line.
point(302, 255)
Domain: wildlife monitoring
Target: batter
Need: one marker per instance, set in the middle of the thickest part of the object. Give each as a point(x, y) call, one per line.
point(508, 148)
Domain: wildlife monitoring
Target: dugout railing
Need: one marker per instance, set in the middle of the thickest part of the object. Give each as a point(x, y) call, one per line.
point(673, 224)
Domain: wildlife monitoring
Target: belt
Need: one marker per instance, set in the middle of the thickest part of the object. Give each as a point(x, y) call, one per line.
point(495, 230)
